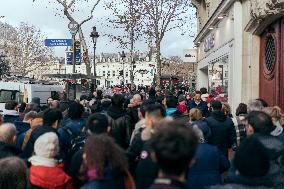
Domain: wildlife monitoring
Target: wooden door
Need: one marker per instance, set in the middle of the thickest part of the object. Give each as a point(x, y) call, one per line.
point(271, 64)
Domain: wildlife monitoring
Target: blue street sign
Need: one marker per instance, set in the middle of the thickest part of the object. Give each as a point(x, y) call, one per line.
point(69, 57)
point(58, 42)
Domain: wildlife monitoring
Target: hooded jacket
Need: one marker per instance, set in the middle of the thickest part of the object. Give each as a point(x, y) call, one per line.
point(209, 164)
point(120, 126)
point(273, 179)
point(223, 132)
point(50, 177)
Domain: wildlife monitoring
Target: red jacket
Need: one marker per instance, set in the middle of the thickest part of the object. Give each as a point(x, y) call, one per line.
point(50, 177)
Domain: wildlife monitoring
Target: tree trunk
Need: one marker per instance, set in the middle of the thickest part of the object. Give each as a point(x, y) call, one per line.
point(159, 65)
point(85, 53)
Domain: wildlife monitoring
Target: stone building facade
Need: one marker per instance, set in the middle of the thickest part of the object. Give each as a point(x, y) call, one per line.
point(242, 42)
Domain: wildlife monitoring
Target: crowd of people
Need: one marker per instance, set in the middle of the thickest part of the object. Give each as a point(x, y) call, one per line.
point(154, 140)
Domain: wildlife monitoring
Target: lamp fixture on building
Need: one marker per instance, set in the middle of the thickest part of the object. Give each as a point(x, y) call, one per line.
point(211, 28)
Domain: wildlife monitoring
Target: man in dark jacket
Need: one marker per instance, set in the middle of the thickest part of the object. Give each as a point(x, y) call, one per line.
point(222, 128)
point(198, 103)
point(173, 156)
point(8, 141)
point(51, 122)
point(74, 126)
point(119, 121)
point(252, 169)
point(135, 103)
point(259, 124)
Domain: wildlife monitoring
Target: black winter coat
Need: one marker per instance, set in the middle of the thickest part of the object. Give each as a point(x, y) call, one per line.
point(223, 133)
point(133, 114)
point(147, 169)
point(120, 126)
point(134, 151)
point(7, 150)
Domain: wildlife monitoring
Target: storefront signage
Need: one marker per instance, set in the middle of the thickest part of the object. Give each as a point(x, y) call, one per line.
point(209, 43)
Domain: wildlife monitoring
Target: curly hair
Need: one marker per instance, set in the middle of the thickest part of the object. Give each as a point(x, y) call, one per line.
point(102, 151)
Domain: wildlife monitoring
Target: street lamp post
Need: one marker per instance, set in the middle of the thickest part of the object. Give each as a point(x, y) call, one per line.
point(95, 35)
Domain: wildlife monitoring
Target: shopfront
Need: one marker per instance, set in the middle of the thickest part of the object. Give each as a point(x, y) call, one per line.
point(219, 45)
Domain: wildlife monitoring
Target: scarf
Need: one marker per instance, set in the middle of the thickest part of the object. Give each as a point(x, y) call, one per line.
point(42, 161)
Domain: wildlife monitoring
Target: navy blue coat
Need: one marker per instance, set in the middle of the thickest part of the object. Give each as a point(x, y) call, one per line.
point(118, 184)
point(209, 164)
point(201, 106)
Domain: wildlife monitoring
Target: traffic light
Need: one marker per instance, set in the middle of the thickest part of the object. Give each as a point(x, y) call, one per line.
point(121, 72)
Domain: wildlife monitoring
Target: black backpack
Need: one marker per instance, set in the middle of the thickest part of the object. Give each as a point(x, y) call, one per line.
point(76, 141)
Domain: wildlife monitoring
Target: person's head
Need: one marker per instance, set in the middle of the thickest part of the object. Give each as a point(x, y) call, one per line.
point(36, 100)
point(22, 107)
point(254, 105)
point(37, 120)
point(52, 118)
point(203, 90)
point(174, 147)
point(188, 97)
point(259, 122)
point(181, 100)
point(142, 110)
point(63, 107)
point(171, 102)
point(197, 96)
point(30, 116)
point(226, 108)
point(98, 124)
point(8, 133)
point(47, 145)
point(136, 100)
point(242, 109)
point(75, 110)
point(11, 105)
point(275, 113)
point(49, 101)
point(251, 158)
point(99, 94)
point(195, 114)
point(101, 152)
point(153, 114)
point(263, 102)
point(117, 100)
point(13, 173)
point(216, 105)
point(54, 104)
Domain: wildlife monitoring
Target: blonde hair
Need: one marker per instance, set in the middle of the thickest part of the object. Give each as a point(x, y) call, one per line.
point(226, 108)
point(195, 114)
point(275, 112)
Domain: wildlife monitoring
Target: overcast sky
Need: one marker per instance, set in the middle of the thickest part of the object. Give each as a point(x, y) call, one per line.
point(42, 15)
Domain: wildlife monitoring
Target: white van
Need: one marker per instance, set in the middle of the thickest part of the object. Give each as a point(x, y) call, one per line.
point(24, 92)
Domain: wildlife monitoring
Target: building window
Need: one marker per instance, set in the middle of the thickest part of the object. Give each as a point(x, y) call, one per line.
point(270, 54)
point(113, 73)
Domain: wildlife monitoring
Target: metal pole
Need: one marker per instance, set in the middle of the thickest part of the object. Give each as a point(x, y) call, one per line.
point(74, 56)
point(95, 72)
point(123, 75)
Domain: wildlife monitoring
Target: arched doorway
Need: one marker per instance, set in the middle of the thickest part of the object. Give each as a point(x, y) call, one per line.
point(272, 64)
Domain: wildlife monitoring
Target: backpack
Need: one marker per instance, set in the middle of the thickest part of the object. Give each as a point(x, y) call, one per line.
point(76, 141)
